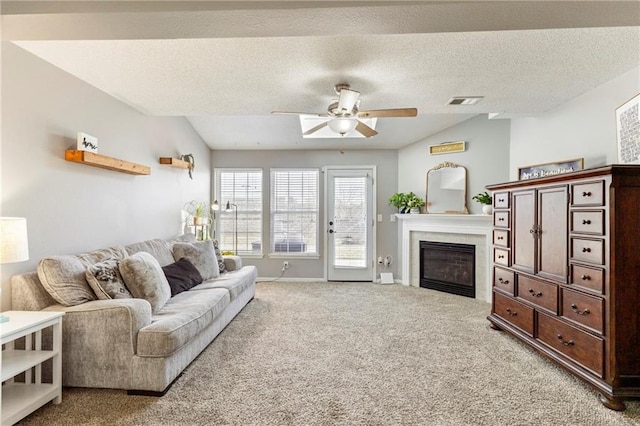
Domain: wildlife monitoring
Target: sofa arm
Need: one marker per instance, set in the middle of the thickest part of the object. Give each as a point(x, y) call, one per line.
point(101, 336)
point(233, 263)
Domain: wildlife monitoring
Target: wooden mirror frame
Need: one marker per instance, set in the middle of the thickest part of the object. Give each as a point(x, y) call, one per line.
point(459, 201)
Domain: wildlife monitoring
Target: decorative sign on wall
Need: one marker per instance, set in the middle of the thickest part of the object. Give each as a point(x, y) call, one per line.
point(550, 169)
point(628, 131)
point(448, 147)
point(87, 143)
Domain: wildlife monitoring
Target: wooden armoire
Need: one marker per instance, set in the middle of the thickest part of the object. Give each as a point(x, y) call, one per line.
point(566, 273)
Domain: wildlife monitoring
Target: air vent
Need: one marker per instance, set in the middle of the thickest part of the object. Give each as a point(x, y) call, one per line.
point(465, 100)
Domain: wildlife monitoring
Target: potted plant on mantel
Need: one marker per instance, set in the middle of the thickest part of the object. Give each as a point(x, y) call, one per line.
point(485, 199)
point(399, 201)
point(414, 203)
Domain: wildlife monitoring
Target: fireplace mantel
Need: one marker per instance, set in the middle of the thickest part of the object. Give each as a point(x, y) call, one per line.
point(478, 225)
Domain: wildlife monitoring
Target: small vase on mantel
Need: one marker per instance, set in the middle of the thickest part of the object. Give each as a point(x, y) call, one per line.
point(415, 210)
point(487, 209)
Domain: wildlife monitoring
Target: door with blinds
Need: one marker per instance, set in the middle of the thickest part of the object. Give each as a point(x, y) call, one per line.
point(349, 224)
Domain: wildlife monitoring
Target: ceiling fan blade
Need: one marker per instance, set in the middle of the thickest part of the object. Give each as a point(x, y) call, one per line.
point(397, 112)
point(347, 100)
point(365, 130)
point(298, 113)
point(315, 129)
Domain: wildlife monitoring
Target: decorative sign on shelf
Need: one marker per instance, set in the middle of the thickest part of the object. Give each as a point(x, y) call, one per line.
point(550, 169)
point(448, 147)
point(87, 143)
point(628, 131)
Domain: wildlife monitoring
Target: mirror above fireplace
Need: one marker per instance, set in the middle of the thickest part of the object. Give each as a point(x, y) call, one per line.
point(447, 189)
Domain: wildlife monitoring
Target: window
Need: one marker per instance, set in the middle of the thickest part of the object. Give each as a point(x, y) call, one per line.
point(294, 211)
point(240, 229)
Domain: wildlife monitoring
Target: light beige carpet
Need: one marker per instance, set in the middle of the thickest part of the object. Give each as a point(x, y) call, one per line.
point(354, 353)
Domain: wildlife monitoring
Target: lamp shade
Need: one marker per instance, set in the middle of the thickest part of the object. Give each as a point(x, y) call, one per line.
point(343, 125)
point(14, 244)
point(215, 206)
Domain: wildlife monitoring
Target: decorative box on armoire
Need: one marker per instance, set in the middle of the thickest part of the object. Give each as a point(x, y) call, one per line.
point(566, 273)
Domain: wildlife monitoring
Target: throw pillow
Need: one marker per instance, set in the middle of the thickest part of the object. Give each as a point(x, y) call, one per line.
point(64, 278)
point(106, 281)
point(182, 276)
point(201, 254)
point(221, 264)
point(144, 278)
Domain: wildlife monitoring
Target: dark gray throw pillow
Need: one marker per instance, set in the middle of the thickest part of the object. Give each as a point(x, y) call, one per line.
point(182, 276)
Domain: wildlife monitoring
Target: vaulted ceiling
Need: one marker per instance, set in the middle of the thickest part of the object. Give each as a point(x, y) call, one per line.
point(226, 65)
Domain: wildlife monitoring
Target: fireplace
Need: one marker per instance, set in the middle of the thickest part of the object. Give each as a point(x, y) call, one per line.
point(448, 267)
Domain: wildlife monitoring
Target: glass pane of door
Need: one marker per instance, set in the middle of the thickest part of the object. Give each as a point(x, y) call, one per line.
point(350, 224)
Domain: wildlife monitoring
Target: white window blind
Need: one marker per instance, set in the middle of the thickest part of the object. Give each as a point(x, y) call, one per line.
point(294, 211)
point(240, 229)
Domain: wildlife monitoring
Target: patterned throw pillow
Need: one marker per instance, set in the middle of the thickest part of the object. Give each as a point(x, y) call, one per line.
point(144, 278)
point(106, 281)
point(221, 265)
point(201, 255)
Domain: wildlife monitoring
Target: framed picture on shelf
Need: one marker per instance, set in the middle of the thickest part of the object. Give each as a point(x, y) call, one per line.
point(628, 131)
point(550, 169)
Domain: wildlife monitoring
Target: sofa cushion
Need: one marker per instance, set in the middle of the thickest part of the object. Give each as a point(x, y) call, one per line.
point(201, 254)
point(144, 278)
point(106, 281)
point(160, 249)
point(182, 275)
point(221, 265)
point(235, 282)
point(64, 277)
point(180, 320)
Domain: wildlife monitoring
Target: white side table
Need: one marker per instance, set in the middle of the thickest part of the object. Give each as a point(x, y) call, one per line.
point(20, 399)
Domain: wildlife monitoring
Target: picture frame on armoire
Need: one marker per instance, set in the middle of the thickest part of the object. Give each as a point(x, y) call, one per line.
point(628, 131)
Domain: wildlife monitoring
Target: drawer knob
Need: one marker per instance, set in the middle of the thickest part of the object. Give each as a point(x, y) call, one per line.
point(586, 250)
point(574, 308)
point(501, 219)
point(585, 278)
point(533, 293)
point(501, 238)
point(512, 313)
point(586, 222)
point(505, 282)
point(569, 343)
point(501, 200)
point(586, 194)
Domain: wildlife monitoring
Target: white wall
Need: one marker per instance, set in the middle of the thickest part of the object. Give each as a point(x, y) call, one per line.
point(583, 127)
point(386, 184)
point(486, 158)
point(71, 208)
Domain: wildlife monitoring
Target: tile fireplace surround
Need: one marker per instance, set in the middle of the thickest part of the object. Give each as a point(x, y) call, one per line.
point(474, 229)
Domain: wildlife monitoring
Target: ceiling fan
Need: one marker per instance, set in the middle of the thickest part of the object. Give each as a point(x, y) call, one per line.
point(343, 115)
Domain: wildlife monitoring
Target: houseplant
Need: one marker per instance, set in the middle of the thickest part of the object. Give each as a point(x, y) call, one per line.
point(485, 199)
point(414, 203)
point(399, 201)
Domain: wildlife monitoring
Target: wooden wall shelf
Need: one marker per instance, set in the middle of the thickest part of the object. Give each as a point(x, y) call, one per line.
point(174, 162)
point(104, 162)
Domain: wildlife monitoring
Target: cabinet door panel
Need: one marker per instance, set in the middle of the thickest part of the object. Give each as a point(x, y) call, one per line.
point(524, 241)
point(553, 208)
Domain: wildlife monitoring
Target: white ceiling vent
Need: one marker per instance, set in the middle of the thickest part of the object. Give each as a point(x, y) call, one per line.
point(464, 100)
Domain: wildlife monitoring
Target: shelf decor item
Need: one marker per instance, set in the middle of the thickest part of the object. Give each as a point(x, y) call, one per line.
point(550, 169)
point(87, 143)
point(485, 199)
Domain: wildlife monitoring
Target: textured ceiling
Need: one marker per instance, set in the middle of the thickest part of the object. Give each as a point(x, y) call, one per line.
point(227, 66)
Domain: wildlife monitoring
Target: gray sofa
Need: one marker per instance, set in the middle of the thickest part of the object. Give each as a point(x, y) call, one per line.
point(120, 342)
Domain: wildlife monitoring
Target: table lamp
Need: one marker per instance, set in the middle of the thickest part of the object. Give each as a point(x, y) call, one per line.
point(14, 244)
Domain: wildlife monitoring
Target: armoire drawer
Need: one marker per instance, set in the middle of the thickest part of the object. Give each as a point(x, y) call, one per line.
point(588, 194)
point(513, 312)
point(581, 347)
point(539, 293)
point(591, 278)
point(583, 309)
point(502, 257)
point(500, 238)
point(501, 219)
point(504, 280)
point(501, 200)
point(587, 222)
point(591, 251)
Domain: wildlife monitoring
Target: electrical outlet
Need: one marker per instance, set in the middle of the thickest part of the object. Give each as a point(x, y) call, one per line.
point(285, 265)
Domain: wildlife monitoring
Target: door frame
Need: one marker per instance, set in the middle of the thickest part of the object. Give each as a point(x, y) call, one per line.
point(374, 215)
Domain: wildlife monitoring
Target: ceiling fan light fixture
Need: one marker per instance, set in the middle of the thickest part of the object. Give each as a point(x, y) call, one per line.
point(342, 125)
